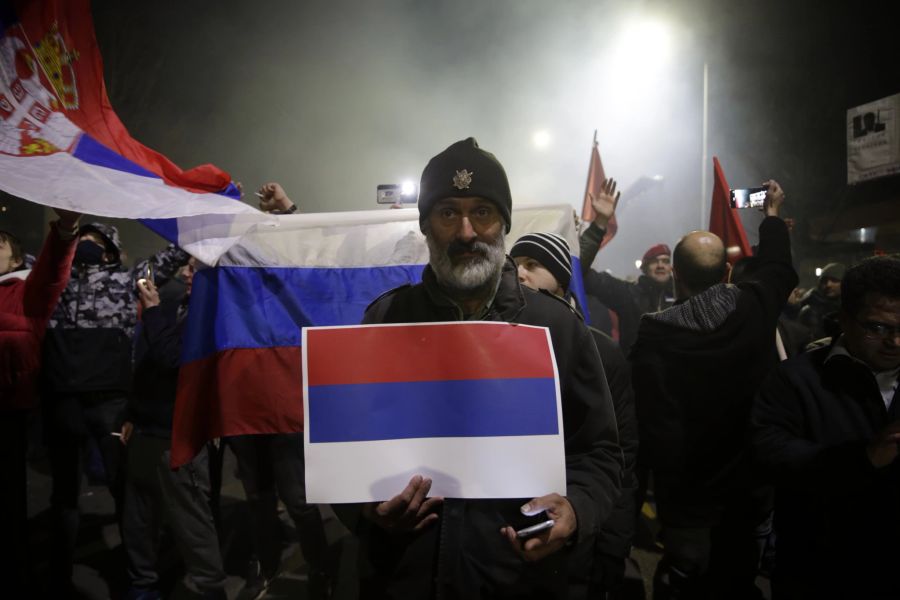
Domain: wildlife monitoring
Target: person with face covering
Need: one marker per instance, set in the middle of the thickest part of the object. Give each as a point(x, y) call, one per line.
point(27, 297)
point(421, 547)
point(86, 375)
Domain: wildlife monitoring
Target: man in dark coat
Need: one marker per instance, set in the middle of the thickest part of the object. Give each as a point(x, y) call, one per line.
point(155, 493)
point(696, 368)
point(458, 548)
point(826, 425)
point(652, 292)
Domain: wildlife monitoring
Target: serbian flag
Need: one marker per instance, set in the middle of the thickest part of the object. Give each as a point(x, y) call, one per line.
point(241, 360)
point(62, 145)
point(725, 221)
point(473, 406)
point(595, 179)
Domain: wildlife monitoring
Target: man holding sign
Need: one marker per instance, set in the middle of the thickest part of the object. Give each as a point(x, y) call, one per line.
point(423, 546)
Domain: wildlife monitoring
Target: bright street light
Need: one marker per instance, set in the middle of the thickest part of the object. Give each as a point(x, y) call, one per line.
point(541, 139)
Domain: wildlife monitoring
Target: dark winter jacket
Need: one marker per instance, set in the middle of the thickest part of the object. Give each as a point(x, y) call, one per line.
point(617, 532)
point(464, 553)
point(25, 308)
point(629, 300)
point(157, 358)
point(89, 337)
point(697, 366)
point(837, 518)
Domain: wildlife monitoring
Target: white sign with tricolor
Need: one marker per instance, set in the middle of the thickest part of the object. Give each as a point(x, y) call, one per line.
point(474, 406)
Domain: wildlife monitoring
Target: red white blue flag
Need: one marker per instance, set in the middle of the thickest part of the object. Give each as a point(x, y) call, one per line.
point(241, 364)
point(62, 145)
point(474, 406)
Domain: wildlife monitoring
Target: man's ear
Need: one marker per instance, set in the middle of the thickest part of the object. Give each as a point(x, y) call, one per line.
point(15, 264)
point(728, 271)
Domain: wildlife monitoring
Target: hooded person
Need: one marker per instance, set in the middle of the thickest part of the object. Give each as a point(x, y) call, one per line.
point(86, 374)
point(424, 547)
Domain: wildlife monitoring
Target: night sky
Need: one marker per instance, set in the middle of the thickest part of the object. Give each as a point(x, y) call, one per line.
point(333, 98)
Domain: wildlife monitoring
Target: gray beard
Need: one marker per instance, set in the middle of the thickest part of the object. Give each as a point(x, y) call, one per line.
point(471, 276)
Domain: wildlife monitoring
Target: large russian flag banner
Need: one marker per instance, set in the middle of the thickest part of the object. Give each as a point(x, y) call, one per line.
point(62, 145)
point(473, 406)
point(241, 363)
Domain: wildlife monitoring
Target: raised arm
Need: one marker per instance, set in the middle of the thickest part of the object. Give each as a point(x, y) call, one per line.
point(604, 205)
point(53, 266)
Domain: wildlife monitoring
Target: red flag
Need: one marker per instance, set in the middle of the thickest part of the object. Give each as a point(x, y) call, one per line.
point(595, 179)
point(724, 221)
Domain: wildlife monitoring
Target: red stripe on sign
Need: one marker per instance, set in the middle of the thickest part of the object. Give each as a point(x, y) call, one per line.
point(427, 352)
point(236, 392)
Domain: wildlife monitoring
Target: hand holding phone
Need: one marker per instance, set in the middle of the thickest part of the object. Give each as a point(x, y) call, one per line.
point(558, 524)
point(147, 293)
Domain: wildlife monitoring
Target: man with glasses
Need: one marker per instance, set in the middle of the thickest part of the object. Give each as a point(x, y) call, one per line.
point(827, 426)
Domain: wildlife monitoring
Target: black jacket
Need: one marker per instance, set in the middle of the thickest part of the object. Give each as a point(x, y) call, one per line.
point(88, 343)
point(629, 300)
point(617, 532)
point(465, 554)
point(157, 361)
point(697, 366)
point(587, 564)
point(837, 517)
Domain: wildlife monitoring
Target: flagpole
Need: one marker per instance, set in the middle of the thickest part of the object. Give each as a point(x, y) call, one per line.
point(587, 181)
point(704, 216)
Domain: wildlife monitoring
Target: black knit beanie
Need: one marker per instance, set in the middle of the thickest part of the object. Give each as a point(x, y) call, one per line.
point(464, 169)
point(549, 249)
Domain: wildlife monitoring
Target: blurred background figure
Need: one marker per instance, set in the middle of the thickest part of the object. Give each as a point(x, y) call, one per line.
point(27, 299)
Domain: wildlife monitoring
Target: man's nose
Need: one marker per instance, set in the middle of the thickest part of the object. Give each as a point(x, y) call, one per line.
point(466, 231)
point(521, 272)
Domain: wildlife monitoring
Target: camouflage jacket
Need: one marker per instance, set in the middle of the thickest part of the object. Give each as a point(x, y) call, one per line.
point(88, 345)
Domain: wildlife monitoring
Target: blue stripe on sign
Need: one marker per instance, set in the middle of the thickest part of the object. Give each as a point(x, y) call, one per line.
point(255, 307)
point(93, 152)
point(421, 409)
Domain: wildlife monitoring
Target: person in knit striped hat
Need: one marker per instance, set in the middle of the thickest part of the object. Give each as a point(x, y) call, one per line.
point(544, 262)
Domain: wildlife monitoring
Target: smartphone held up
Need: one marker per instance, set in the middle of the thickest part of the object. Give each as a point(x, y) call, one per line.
point(754, 197)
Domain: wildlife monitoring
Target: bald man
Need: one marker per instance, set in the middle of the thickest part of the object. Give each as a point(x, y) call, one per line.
point(697, 367)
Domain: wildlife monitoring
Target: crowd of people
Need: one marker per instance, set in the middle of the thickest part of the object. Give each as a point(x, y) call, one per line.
point(762, 418)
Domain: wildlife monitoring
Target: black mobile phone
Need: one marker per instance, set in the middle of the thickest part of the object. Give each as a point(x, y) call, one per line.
point(748, 197)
